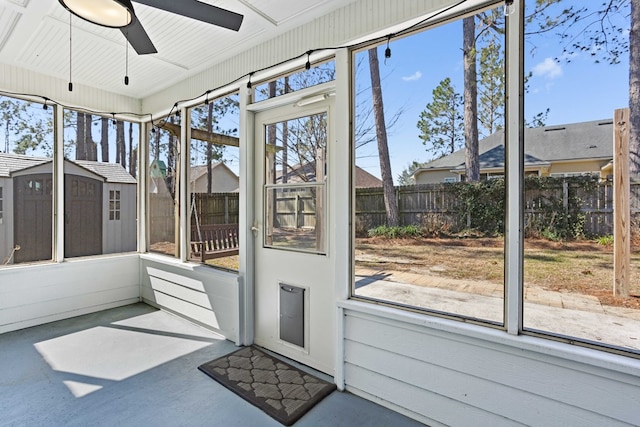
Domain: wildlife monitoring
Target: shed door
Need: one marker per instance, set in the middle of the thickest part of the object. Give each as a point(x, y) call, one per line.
point(33, 217)
point(83, 216)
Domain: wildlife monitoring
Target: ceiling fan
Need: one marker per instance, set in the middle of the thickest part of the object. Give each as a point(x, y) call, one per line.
point(120, 14)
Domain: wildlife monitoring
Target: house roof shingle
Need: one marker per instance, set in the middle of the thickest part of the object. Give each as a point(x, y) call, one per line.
point(575, 141)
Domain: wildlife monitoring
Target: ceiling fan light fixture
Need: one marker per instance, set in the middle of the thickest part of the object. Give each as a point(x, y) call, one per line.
point(107, 13)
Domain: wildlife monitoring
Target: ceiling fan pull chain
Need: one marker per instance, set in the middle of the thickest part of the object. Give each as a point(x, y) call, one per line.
point(126, 71)
point(70, 52)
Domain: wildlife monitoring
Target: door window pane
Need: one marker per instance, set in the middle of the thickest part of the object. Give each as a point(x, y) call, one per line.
point(295, 174)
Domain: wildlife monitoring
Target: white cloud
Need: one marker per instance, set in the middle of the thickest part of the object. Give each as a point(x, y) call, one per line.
point(547, 68)
point(415, 76)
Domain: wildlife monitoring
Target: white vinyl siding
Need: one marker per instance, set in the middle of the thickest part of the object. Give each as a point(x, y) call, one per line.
point(446, 374)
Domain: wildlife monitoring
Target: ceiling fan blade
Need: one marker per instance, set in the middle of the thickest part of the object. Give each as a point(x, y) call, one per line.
point(199, 11)
point(138, 38)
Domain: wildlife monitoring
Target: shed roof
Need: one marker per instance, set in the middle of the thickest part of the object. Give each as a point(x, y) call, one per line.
point(10, 163)
point(111, 172)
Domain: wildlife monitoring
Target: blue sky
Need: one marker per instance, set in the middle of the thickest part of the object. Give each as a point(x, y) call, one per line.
point(575, 88)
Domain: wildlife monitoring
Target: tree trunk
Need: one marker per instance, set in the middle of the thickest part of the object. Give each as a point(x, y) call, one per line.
point(156, 145)
point(104, 140)
point(634, 92)
point(121, 156)
point(472, 156)
point(133, 168)
point(132, 160)
point(81, 149)
point(390, 202)
point(209, 151)
point(171, 161)
point(91, 148)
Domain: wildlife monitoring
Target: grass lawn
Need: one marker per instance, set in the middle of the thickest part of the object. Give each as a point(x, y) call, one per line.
point(581, 267)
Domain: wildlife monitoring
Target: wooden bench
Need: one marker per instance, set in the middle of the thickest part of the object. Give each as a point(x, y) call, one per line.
point(214, 241)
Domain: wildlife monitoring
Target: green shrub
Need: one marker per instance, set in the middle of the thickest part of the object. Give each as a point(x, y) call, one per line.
point(605, 240)
point(398, 232)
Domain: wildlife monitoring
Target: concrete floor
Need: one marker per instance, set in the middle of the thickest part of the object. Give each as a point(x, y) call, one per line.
point(136, 366)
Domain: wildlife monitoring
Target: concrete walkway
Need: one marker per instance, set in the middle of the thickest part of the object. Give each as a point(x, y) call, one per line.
point(570, 314)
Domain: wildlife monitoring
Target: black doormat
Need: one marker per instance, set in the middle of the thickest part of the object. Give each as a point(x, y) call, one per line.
point(284, 392)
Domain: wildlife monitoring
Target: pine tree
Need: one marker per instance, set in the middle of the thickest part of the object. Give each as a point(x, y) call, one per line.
point(441, 123)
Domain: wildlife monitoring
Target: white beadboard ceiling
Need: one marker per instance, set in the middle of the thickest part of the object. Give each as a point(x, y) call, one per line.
point(34, 35)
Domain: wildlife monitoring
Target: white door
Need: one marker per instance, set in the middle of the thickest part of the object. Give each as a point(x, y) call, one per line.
point(294, 290)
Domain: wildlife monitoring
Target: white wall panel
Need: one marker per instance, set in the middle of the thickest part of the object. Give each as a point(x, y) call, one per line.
point(37, 294)
point(205, 295)
point(462, 379)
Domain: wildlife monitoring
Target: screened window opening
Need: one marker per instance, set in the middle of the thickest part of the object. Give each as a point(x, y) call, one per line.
point(573, 291)
point(164, 187)
point(214, 183)
point(26, 182)
point(434, 240)
point(429, 229)
point(100, 179)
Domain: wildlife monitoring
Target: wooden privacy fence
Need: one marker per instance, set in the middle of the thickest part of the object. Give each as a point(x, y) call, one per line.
point(417, 204)
point(162, 218)
point(431, 204)
point(294, 208)
point(425, 205)
point(216, 208)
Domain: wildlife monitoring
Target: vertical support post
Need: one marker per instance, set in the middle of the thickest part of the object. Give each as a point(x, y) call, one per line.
point(247, 218)
point(621, 210)
point(58, 184)
point(341, 210)
point(183, 184)
point(514, 153)
point(143, 185)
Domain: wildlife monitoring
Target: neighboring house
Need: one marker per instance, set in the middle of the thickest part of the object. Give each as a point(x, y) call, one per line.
point(307, 173)
point(104, 193)
point(573, 149)
point(365, 180)
point(223, 179)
